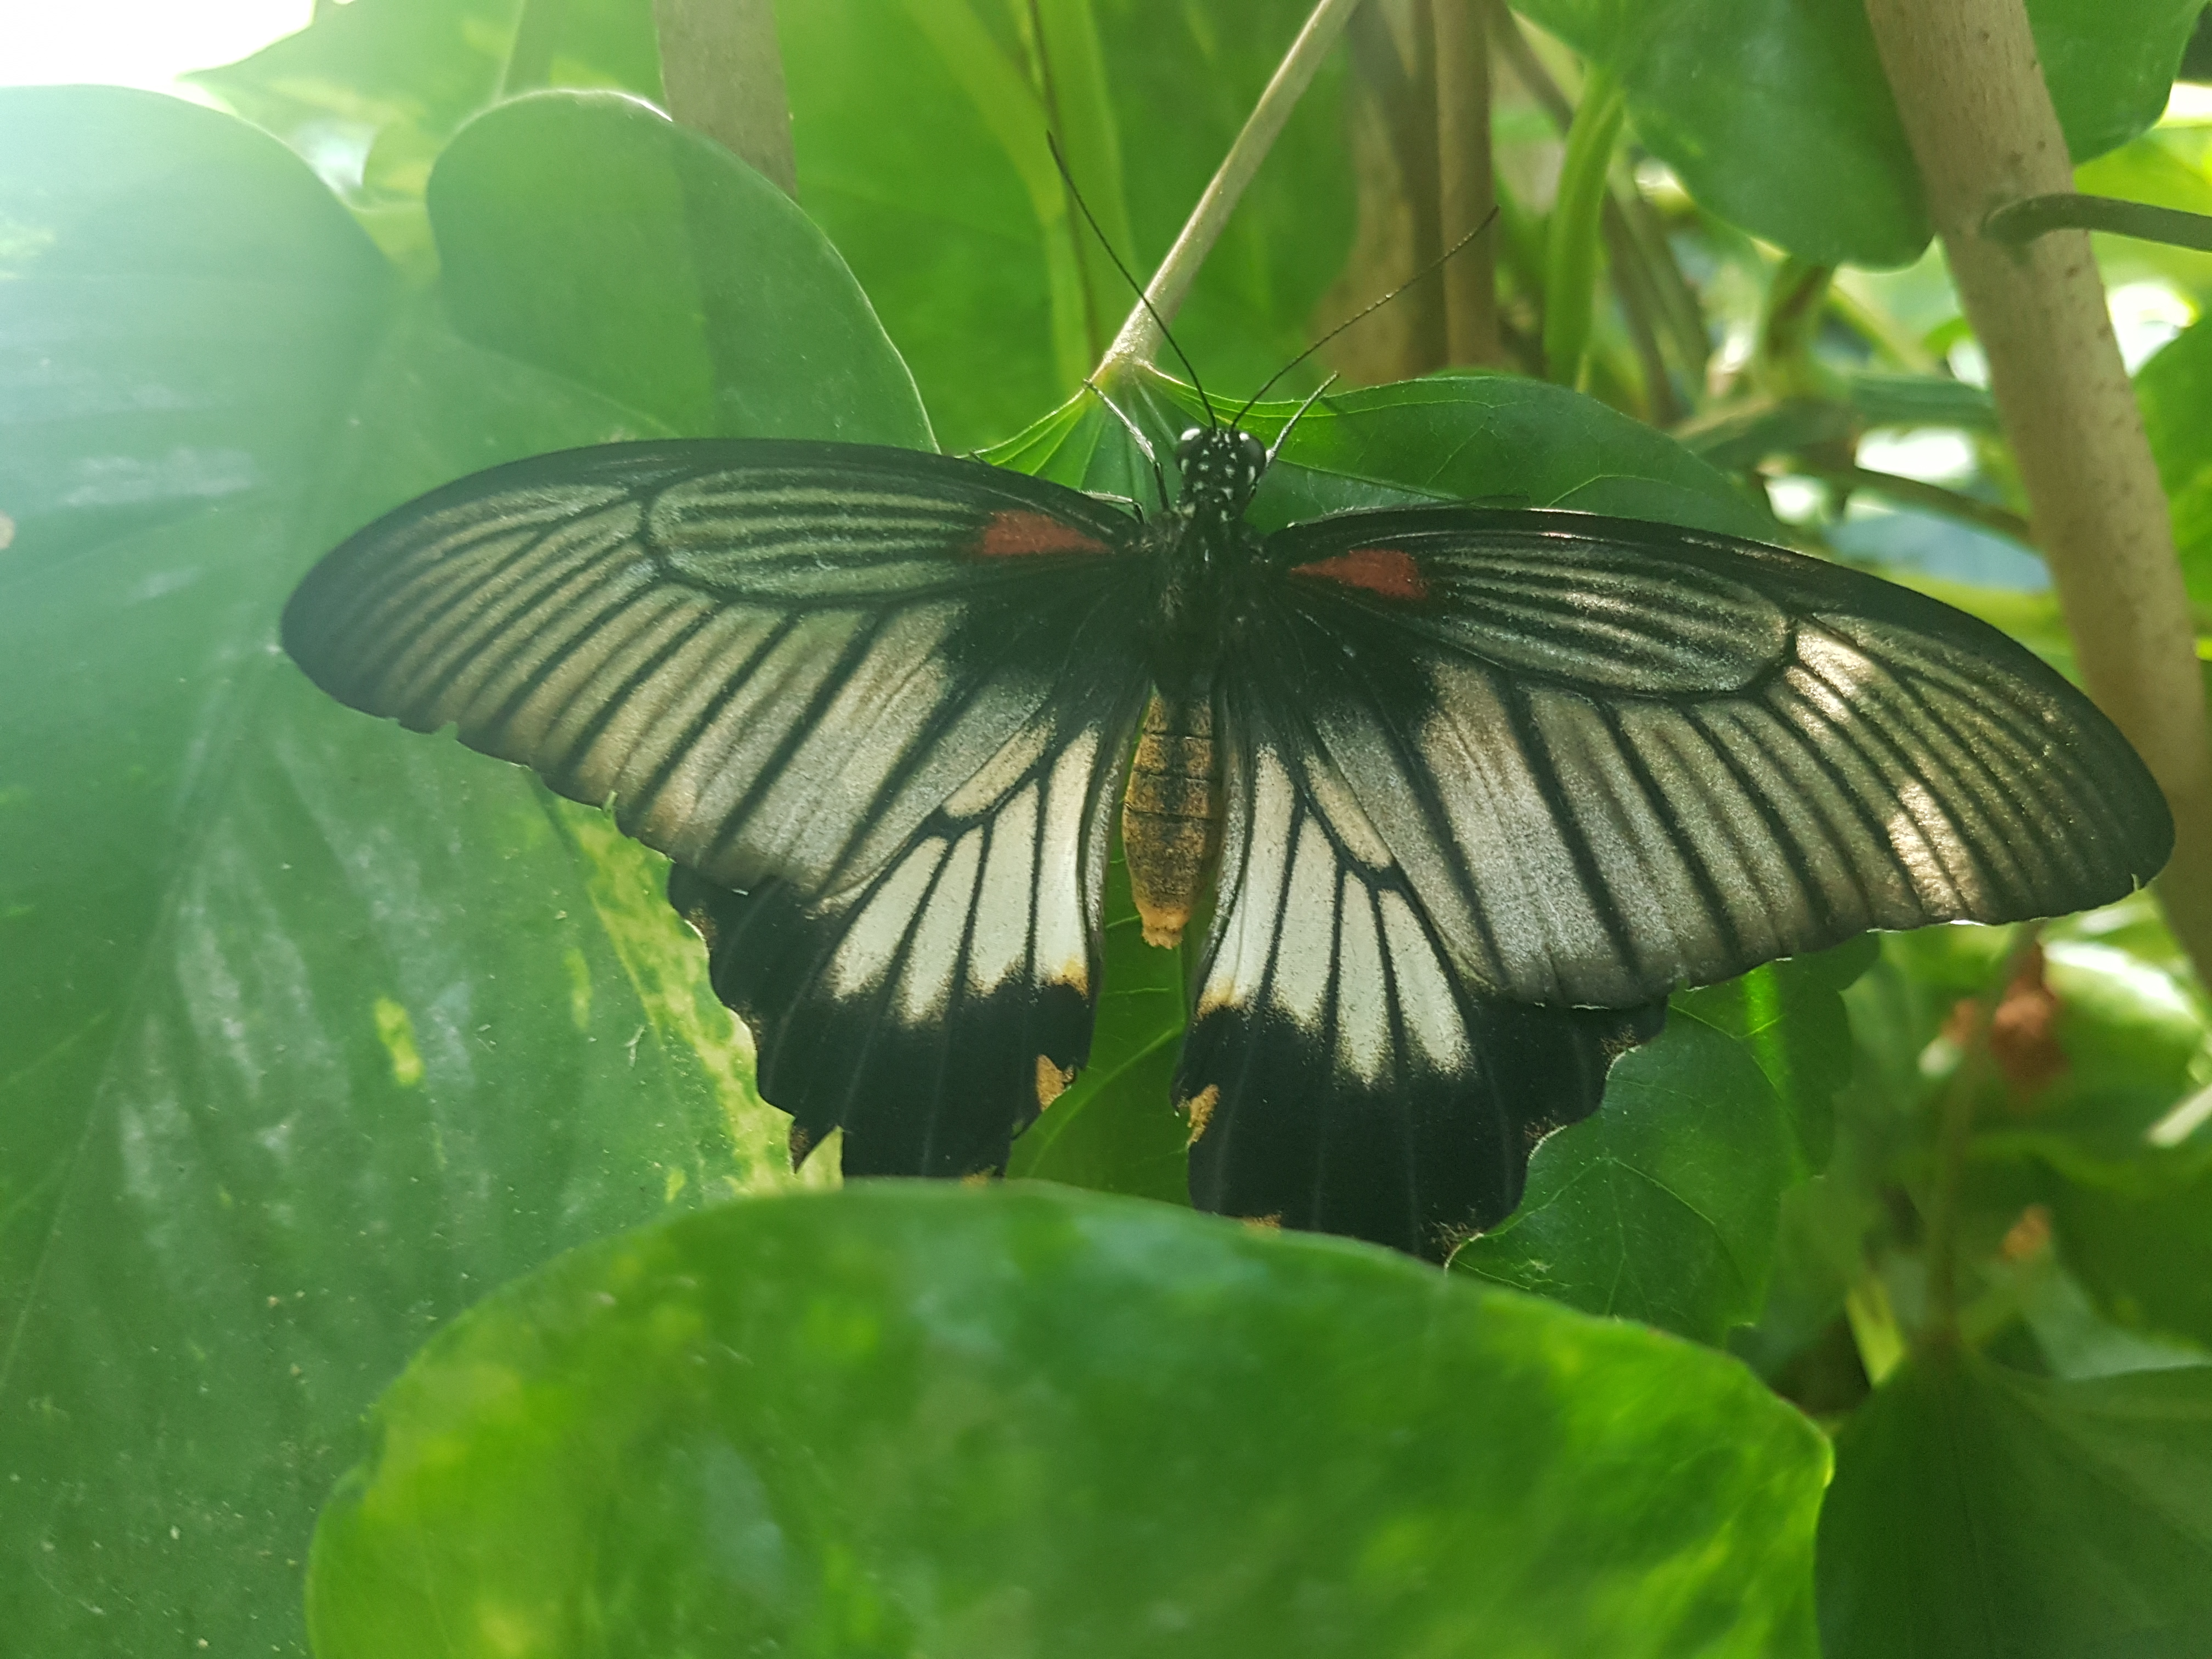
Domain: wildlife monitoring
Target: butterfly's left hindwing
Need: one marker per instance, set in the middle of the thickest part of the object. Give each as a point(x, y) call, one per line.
point(870, 701)
point(1338, 1074)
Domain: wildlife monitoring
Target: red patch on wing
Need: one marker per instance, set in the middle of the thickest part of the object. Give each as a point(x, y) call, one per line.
point(1384, 571)
point(1009, 535)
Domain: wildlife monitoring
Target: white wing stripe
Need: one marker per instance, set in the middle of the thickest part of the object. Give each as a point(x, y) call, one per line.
point(1000, 948)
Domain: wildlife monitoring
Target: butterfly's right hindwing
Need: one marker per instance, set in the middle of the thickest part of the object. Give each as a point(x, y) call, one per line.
point(932, 1011)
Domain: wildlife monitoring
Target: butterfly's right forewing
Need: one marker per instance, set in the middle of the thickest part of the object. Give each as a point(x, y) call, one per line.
point(871, 701)
point(774, 659)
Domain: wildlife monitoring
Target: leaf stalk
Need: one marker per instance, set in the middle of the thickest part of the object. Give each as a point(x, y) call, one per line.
point(2020, 222)
point(1571, 255)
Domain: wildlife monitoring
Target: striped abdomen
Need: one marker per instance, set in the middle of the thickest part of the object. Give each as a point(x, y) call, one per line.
point(1171, 816)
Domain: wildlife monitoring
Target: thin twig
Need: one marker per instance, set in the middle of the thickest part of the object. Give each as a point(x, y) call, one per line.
point(2023, 221)
point(1140, 337)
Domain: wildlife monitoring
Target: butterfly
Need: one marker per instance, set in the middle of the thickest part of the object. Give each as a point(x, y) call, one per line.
point(1470, 790)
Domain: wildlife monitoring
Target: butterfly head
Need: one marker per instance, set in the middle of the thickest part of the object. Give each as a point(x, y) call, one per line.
point(1221, 468)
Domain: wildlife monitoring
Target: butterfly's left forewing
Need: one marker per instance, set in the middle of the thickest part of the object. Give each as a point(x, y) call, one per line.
point(1612, 757)
point(871, 702)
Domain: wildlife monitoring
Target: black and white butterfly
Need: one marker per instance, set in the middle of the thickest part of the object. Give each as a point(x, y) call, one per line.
point(1472, 789)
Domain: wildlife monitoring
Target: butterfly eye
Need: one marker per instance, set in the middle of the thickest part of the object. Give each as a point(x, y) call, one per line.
point(1187, 445)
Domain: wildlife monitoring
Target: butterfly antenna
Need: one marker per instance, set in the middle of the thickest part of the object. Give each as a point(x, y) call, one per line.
point(1299, 414)
point(1136, 286)
point(1361, 314)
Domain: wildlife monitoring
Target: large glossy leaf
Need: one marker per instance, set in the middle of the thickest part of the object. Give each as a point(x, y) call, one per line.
point(311, 1029)
point(375, 87)
point(1978, 1513)
point(1777, 117)
point(652, 268)
point(909, 1420)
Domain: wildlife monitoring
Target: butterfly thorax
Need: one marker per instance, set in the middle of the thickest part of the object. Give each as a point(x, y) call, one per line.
point(1172, 815)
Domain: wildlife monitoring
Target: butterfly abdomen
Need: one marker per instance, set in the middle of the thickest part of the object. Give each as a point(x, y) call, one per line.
point(1172, 815)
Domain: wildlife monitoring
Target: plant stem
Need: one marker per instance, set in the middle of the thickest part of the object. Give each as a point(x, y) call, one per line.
point(1466, 179)
point(2020, 222)
point(722, 75)
point(1571, 255)
point(1140, 335)
point(1954, 1136)
point(1981, 124)
point(1394, 129)
point(1796, 304)
point(530, 59)
point(1633, 224)
point(1641, 308)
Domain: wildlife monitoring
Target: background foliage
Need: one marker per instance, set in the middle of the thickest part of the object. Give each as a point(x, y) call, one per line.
point(312, 1033)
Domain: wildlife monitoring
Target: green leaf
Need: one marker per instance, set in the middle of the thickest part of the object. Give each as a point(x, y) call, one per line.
point(910, 1418)
point(2175, 389)
point(1459, 437)
point(1790, 1016)
point(1777, 117)
point(1978, 1513)
point(643, 267)
point(1662, 1206)
point(2144, 1250)
point(1665, 1205)
point(312, 1029)
point(1116, 1129)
